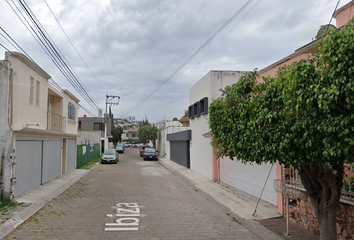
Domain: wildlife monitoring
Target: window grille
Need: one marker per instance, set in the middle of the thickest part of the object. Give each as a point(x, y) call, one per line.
point(71, 111)
point(293, 181)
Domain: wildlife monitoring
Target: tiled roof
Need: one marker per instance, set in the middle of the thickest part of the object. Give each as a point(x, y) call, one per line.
point(184, 119)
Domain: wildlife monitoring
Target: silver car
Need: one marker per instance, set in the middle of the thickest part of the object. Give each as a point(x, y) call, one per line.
point(110, 156)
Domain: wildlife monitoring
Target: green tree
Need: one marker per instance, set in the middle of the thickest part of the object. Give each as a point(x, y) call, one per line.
point(116, 134)
point(303, 116)
point(147, 132)
point(186, 113)
point(175, 119)
point(145, 121)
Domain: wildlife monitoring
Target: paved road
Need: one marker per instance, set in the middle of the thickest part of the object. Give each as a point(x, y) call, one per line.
point(133, 199)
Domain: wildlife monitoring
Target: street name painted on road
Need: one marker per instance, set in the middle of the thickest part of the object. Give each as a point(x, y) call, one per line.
point(127, 217)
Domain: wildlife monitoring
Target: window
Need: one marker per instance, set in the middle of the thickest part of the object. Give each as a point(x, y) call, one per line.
point(196, 109)
point(97, 126)
point(134, 135)
point(38, 85)
point(190, 112)
point(203, 106)
point(31, 91)
point(71, 111)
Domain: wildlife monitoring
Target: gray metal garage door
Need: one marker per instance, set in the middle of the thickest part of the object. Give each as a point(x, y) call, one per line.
point(51, 167)
point(28, 169)
point(70, 155)
point(180, 153)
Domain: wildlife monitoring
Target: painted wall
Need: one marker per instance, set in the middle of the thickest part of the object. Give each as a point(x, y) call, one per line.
point(26, 113)
point(344, 14)
point(200, 148)
point(208, 86)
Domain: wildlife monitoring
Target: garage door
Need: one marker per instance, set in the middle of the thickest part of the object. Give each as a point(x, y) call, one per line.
point(179, 151)
point(249, 178)
point(28, 170)
point(51, 167)
point(70, 155)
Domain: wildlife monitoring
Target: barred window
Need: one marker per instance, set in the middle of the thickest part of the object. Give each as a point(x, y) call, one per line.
point(71, 111)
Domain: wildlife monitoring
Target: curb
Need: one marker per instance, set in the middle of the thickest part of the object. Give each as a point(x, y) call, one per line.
point(251, 224)
point(14, 222)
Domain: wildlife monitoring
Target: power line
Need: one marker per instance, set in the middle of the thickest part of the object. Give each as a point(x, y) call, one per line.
point(215, 45)
point(57, 52)
point(74, 46)
point(192, 56)
point(46, 43)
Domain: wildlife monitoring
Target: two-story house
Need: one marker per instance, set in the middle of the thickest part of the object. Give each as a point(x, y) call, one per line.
point(91, 130)
point(38, 126)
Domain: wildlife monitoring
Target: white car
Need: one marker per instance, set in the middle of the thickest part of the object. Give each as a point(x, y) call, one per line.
point(110, 156)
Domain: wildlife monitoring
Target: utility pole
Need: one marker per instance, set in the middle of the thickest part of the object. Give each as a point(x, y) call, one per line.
point(110, 100)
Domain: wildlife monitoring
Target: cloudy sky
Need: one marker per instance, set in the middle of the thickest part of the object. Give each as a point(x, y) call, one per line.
point(135, 48)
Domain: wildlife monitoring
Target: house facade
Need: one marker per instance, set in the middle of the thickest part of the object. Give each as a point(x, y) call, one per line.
point(91, 130)
point(171, 148)
point(246, 177)
point(39, 126)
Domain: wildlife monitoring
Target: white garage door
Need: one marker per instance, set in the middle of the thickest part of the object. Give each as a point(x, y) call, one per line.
point(29, 165)
point(250, 178)
point(51, 167)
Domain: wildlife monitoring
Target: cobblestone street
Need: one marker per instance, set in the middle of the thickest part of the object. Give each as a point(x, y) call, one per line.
point(161, 206)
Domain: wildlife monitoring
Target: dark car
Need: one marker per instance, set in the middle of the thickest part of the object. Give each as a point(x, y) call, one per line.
point(150, 153)
point(110, 156)
point(121, 144)
point(142, 148)
point(119, 149)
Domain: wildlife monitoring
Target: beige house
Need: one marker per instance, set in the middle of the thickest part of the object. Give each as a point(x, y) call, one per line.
point(39, 126)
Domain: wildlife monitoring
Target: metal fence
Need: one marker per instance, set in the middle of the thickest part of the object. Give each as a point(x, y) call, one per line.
point(293, 181)
point(87, 152)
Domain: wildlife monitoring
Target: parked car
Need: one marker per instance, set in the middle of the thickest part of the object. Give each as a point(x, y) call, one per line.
point(119, 149)
point(142, 148)
point(150, 153)
point(127, 145)
point(110, 156)
point(122, 145)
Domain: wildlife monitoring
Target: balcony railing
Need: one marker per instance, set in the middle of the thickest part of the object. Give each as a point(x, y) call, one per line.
point(55, 122)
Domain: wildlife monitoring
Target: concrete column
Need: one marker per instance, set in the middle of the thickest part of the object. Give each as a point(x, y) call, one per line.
point(5, 132)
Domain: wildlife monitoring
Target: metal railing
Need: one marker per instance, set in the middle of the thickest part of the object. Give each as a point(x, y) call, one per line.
point(293, 181)
point(55, 122)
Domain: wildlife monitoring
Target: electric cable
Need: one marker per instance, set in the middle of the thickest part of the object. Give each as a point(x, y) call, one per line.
point(191, 57)
point(74, 46)
point(43, 39)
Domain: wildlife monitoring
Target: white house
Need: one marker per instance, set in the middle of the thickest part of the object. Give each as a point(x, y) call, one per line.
point(248, 178)
point(167, 127)
point(39, 126)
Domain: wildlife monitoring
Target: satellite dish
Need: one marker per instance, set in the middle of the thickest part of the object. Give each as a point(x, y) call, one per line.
point(324, 29)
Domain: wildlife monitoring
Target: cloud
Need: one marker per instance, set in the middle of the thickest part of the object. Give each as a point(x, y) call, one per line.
point(133, 46)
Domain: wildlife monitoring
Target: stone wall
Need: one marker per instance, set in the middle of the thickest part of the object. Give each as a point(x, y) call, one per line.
point(300, 212)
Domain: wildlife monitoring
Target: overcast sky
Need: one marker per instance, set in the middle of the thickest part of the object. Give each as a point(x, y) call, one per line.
point(133, 46)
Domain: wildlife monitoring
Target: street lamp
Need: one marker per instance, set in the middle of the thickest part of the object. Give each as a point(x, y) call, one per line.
point(110, 100)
